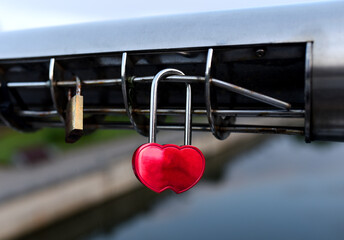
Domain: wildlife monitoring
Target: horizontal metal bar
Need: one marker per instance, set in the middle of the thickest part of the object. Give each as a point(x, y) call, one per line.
point(237, 113)
point(199, 127)
point(29, 84)
point(105, 110)
point(102, 82)
point(262, 113)
point(29, 113)
point(174, 78)
point(267, 130)
point(242, 129)
point(251, 94)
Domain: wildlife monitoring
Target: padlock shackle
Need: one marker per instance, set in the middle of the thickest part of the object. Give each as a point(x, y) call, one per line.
point(188, 116)
point(153, 105)
point(78, 85)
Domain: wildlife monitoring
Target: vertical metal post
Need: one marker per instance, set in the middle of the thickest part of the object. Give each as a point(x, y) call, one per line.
point(308, 86)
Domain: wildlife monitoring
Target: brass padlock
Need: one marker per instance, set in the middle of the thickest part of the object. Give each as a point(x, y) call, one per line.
point(74, 115)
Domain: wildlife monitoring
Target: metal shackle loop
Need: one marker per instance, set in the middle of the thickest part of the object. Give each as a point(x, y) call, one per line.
point(78, 86)
point(153, 105)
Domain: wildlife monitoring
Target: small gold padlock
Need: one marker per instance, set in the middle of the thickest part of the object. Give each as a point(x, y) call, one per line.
point(74, 115)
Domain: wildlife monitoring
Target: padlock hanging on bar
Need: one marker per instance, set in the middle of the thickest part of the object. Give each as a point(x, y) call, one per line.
point(169, 166)
point(74, 115)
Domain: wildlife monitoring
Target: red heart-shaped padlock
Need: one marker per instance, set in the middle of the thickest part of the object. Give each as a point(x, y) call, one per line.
point(161, 167)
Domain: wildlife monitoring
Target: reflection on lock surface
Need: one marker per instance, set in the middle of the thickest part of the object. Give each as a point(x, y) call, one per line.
point(161, 167)
point(74, 115)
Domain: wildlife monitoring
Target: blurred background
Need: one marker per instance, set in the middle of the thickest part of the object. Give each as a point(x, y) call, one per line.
point(255, 186)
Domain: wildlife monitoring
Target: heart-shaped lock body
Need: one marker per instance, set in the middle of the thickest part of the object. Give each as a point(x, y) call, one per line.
point(168, 166)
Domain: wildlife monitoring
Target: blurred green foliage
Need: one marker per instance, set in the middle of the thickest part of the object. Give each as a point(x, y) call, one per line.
point(12, 141)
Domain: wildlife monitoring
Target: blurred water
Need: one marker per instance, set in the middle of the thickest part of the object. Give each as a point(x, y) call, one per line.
point(284, 189)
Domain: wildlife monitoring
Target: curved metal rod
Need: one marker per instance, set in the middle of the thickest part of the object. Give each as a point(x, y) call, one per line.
point(207, 84)
point(215, 122)
point(59, 101)
point(124, 84)
point(153, 99)
point(139, 122)
point(207, 92)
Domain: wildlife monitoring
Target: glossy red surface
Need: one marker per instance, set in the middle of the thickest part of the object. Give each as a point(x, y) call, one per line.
point(161, 167)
